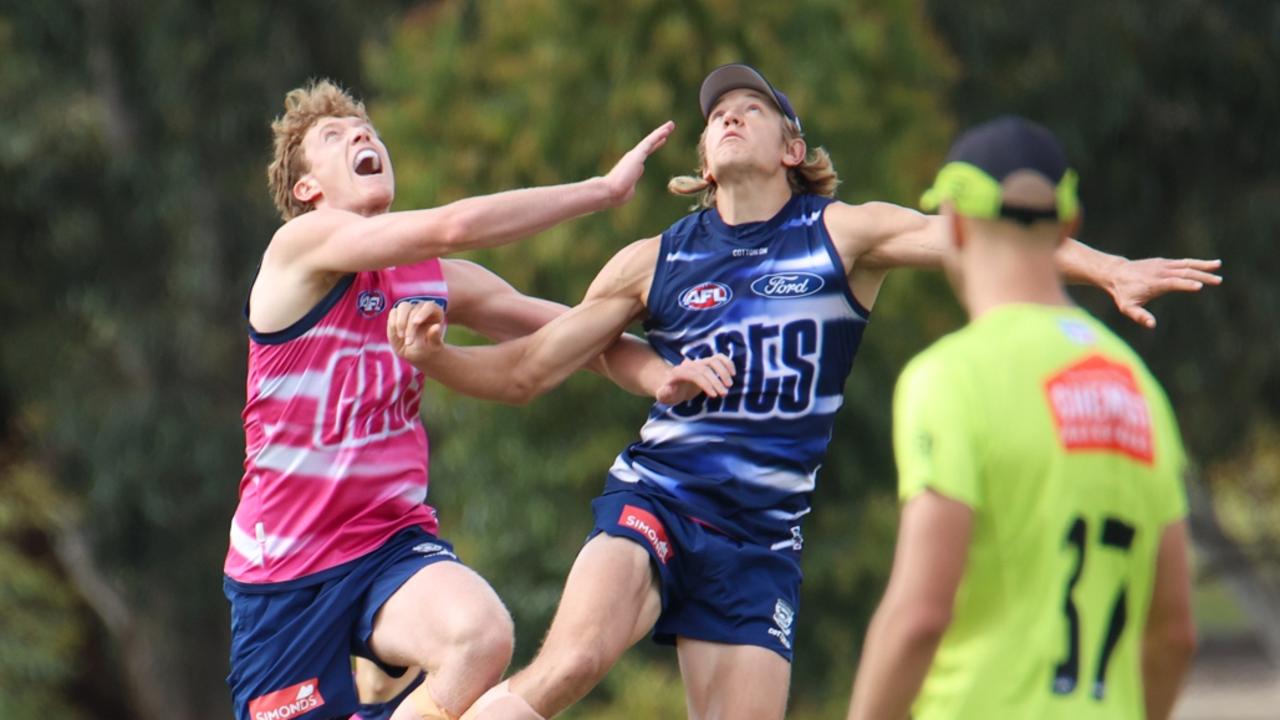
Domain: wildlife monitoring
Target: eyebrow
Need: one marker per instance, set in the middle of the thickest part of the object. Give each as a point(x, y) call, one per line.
point(755, 94)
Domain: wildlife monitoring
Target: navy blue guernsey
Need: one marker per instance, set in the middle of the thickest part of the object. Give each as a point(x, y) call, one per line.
point(773, 296)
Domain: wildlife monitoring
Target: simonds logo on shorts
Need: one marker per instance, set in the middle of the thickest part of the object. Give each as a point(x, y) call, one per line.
point(287, 703)
point(647, 525)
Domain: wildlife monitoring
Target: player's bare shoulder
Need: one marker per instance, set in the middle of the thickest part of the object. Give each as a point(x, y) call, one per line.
point(859, 230)
point(303, 234)
point(287, 285)
point(629, 272)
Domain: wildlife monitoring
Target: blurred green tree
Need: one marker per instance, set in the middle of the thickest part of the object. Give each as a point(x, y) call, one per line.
point(133, 141)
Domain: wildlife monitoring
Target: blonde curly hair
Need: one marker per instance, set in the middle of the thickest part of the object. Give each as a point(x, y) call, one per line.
point(816, 174)
point(319, 98)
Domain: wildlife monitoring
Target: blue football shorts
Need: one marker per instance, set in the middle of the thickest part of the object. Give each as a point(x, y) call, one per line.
point(714, 587)
point(292, 642)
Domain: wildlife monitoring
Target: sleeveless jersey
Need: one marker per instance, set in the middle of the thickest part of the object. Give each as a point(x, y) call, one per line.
point(335, 454)
point(1053, 431)
point(773, 296)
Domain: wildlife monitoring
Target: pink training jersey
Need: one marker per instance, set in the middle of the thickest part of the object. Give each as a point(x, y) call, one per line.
point(335, 455)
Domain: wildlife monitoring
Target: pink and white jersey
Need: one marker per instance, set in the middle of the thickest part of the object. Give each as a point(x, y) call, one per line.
point(335, 454)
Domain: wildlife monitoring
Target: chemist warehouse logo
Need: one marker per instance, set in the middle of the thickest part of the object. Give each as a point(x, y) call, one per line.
point(647, 525)
point(287, 703)
point(705, 296)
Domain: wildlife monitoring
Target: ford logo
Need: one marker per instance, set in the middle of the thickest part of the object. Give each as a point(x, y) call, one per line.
point(787, 285)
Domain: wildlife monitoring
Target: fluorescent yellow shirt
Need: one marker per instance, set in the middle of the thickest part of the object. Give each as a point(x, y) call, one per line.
point(1054, 432)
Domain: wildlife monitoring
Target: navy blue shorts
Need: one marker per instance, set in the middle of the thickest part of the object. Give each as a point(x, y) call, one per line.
point(713, 587)
point(292, 642)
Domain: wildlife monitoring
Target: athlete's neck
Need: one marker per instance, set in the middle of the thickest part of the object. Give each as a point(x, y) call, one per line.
point(1003, 274)
point(752, 201)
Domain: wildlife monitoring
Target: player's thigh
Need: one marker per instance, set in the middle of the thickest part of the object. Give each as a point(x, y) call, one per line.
point(610, 599)
point(723, 682)
point(441, 607)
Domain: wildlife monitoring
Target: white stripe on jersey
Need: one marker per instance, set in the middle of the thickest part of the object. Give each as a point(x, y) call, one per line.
point(332, 464)
point(309, 384)
point(621, 471)
point(661, 431)
point(426, 287)
point(686, 257)
point(777, 478)
point(273, 546)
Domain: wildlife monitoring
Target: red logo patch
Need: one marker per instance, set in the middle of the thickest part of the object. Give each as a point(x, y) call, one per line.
point(287, 703)
point(643, 522)
point(1096, 405)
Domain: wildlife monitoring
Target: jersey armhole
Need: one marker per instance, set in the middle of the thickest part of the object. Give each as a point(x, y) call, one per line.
point(658, 286)
point(837, 266)
point(304, 323)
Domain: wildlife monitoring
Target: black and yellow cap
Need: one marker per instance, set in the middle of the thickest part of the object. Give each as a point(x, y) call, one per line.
point(980, 164)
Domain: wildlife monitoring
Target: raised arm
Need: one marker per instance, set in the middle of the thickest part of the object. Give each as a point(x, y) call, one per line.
point(881, 236)
point(518, 370)
point(487, 304)
point(330, 240)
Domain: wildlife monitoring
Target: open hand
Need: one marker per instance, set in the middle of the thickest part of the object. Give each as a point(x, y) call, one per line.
point(622, 179)
point(416, 331)
point(712, 376)
point(1138, 282)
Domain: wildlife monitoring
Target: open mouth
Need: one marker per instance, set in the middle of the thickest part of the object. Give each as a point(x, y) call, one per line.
point(368, 162)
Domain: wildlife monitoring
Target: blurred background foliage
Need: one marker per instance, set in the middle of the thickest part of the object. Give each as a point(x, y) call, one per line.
point(133, 139)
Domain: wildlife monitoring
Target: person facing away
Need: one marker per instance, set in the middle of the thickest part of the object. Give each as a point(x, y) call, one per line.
point(697, 536)
point(1041, 566)
point(333, 551)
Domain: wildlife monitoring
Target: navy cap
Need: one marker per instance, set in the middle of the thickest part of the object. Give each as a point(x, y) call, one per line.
point(973, 177)
point(736, 76)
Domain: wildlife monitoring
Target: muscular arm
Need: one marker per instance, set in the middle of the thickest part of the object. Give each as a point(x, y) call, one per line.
point(329, 240)
point(876, 237)
point(310, 253)
point(933, 541)
point(518, 370)
point(487, 304)
point(1168, 640)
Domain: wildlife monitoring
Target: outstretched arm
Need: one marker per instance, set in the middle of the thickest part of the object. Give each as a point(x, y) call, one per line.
point(518, 370)
point(485, 303)
point(1134, 283)
point(488, 305)
point(882, 236)
point(330, 240)
point(515, 371)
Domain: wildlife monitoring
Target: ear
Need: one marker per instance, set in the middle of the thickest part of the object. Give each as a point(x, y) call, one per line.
point(306, 190)
point(793, 152)
point(706, 175)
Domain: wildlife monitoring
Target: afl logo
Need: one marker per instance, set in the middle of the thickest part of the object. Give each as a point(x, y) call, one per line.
point(787, 285)
point(371, 302)
point(705, 296)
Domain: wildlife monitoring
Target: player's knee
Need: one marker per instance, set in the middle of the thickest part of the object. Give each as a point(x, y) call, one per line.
point(579, 667)
point(484, 645)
